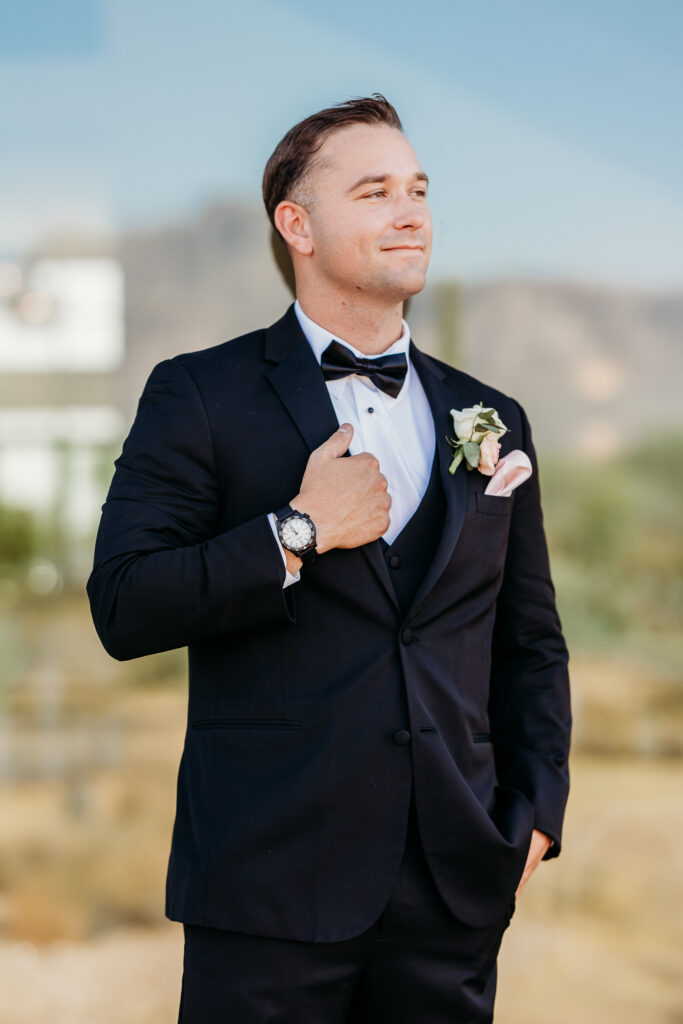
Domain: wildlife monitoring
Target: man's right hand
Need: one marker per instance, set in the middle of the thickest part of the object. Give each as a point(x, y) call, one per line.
point(346, 498)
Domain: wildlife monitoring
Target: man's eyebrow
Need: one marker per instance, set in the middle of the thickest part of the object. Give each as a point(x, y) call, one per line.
point(376, 179)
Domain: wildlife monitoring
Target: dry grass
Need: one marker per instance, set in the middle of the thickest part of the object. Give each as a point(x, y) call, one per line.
point(596, 937)
point(88, 852)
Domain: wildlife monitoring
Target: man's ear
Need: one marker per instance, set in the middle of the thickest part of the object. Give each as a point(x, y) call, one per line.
point(291, 220)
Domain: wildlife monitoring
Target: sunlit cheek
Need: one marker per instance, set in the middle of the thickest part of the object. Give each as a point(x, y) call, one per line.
point(330, 240)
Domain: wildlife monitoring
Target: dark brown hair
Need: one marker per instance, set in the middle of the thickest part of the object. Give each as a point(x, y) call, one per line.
point(293, 155)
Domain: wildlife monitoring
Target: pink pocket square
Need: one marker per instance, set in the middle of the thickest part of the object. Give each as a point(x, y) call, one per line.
point(511, 471)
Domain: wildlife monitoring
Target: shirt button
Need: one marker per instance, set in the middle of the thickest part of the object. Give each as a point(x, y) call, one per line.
point(370, 408)
point(401, 737)
point(394, 561)
point(407, 636)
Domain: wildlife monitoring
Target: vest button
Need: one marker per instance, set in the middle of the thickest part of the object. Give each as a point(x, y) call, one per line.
point(401, 737)
point(394, 561)
point(407, 636)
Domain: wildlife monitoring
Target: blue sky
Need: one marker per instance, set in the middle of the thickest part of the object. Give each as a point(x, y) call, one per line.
point(550, 130)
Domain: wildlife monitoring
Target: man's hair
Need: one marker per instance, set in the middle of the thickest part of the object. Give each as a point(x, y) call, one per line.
point(293, 157)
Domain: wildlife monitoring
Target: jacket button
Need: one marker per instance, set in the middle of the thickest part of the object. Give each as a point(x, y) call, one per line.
point(407, 636)
point(401, 737)
point(394, 561)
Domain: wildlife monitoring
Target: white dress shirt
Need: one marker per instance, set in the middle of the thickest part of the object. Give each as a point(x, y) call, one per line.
point(399, 431)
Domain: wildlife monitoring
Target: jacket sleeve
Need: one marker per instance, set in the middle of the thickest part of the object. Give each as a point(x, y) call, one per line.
point(529, 703)
point(164, 576)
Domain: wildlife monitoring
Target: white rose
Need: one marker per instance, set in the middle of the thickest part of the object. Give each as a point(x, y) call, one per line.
point(496, 419)
point(463, 423)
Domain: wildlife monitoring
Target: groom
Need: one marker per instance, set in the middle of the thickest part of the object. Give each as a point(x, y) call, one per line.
point(379, 719)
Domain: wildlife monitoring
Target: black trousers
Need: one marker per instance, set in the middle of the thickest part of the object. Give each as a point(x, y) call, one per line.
point(417, 964)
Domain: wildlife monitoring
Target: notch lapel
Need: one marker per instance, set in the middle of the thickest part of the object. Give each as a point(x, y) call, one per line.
point(299, 383)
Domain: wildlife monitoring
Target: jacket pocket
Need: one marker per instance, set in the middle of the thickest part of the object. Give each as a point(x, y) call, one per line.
point(492, 504)
point(260, 724)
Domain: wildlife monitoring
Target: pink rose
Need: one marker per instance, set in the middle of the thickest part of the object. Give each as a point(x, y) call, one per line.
point(488, 455)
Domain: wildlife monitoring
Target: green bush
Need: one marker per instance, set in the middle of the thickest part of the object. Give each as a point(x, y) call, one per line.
point(18, 541)
point(616, 545)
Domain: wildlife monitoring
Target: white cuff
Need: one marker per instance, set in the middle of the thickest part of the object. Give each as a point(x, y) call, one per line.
point(289, 579)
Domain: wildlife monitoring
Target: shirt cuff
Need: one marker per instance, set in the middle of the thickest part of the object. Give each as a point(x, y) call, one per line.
point(289, 579)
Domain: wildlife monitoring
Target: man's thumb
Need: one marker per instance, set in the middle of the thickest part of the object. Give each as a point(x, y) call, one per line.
point(338, 442)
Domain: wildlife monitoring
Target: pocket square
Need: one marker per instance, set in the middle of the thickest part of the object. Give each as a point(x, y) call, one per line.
point(511, 471)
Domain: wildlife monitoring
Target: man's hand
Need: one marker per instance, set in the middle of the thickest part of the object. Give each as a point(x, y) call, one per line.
point(540, 843)
point(347, 499)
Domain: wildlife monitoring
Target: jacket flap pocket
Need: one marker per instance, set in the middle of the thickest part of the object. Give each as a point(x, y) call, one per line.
point(492, 504)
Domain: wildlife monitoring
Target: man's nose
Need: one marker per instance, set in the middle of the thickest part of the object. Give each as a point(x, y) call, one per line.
point(409, 213)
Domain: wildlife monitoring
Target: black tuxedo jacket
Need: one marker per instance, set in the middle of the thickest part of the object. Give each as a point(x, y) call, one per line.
point(310, 707)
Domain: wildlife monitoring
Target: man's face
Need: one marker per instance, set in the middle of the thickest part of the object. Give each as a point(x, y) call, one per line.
point(370, 223)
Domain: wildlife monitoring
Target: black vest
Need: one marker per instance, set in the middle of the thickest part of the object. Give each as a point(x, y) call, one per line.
point(412, 551)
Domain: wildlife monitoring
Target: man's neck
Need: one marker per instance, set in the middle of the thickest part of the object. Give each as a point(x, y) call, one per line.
point(370, 328)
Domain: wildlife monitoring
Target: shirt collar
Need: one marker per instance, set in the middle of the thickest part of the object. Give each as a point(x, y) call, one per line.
point(319, 338)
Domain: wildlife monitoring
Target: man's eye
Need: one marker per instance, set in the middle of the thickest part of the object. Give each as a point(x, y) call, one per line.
point(373, 195)
point(420, 192)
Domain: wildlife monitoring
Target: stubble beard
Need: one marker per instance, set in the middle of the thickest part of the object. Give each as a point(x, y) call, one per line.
point(376, 285)
point(394, 287)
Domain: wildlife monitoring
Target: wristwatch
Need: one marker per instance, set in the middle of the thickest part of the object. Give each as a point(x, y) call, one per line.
point(296, 531)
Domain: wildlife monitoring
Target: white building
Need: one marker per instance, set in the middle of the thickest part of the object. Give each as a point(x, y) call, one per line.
point(62, 345)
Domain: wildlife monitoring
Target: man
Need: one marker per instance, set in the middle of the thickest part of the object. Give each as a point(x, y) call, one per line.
point(379, 718)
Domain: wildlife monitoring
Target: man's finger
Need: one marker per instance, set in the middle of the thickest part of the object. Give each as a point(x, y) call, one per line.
point(338, 442)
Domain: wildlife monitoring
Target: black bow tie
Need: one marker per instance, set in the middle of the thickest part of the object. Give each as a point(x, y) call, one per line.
point(386, 372)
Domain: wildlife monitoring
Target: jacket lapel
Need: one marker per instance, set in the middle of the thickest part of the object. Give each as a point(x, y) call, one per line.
point(298, 380)
point(442, 397)
point(300, 385)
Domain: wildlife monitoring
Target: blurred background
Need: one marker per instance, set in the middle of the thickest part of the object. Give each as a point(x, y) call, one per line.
point(134, 135)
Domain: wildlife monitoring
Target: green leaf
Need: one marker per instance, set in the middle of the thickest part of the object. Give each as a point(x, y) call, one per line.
point(471, 450)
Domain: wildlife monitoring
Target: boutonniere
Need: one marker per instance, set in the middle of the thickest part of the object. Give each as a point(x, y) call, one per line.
point(478, 429)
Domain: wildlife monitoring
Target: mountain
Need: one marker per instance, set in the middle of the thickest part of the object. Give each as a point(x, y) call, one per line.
point(595, 367)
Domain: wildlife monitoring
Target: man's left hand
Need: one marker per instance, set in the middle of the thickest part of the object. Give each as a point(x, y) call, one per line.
point(540, 843)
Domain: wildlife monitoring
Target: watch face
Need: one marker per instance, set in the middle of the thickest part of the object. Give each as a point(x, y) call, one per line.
point(297, 533)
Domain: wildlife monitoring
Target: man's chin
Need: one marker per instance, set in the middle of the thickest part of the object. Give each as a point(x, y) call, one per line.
point(392, 288)
point(412, 285)
point(417, 287)
point(399, 287)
